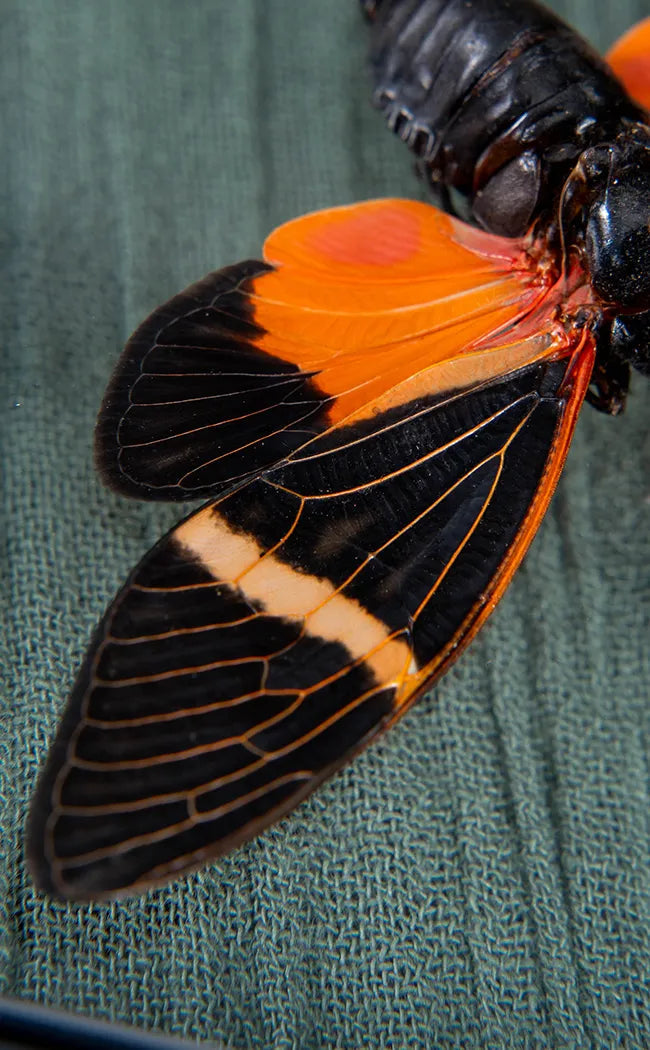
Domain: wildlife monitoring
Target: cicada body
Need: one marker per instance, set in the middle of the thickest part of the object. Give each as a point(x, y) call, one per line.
point(378, 412)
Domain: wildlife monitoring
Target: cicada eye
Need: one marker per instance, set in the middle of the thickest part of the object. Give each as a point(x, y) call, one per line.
point(618, 243)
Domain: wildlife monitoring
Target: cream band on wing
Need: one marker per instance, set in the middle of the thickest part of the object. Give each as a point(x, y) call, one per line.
point(238, 560)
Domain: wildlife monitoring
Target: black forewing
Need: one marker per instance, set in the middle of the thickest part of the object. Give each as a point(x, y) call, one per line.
point(194, 404)
point(266, 639)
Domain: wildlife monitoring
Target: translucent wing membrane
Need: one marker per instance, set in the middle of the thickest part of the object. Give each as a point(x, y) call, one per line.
point(245, 366)
point(273, 633)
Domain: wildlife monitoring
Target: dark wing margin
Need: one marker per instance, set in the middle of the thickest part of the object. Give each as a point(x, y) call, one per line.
point(273, 633)
point(194, 404)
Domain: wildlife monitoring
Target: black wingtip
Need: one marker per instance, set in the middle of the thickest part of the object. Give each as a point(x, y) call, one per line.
point(129, 368)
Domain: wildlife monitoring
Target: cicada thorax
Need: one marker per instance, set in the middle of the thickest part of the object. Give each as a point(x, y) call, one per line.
point(498, 100)
point(520, 127)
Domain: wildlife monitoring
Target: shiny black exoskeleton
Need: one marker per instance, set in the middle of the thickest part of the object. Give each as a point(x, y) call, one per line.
point(517, 124)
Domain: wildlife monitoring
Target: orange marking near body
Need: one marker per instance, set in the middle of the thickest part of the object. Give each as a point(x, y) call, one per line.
point(450, 376)
point(630, 60)
point(372, 296)
point(428, 232)
point(355, 239)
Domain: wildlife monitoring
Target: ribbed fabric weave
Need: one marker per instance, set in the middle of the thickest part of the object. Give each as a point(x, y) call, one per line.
point(479, 878)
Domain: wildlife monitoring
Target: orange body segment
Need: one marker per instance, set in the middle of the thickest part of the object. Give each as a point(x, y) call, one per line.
point(630, 60)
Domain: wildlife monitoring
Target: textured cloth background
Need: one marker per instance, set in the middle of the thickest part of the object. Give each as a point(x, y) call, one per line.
point(479, 878)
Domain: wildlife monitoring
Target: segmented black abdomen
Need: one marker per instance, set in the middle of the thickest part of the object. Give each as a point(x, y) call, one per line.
point(496, 97)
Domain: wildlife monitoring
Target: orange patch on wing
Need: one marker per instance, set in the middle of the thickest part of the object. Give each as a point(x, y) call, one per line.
point(630, 60)
point(356, 238)
point(467, 370)
point(370, 296)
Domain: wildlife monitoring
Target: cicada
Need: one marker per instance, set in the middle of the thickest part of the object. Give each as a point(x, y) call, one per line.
point(377, 413)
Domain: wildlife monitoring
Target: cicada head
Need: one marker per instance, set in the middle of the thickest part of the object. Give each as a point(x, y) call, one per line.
point(617, 233)
point(606, 212)
point(605, 209)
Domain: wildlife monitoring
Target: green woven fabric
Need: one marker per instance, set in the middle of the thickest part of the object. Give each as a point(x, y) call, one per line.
point(479, 878)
